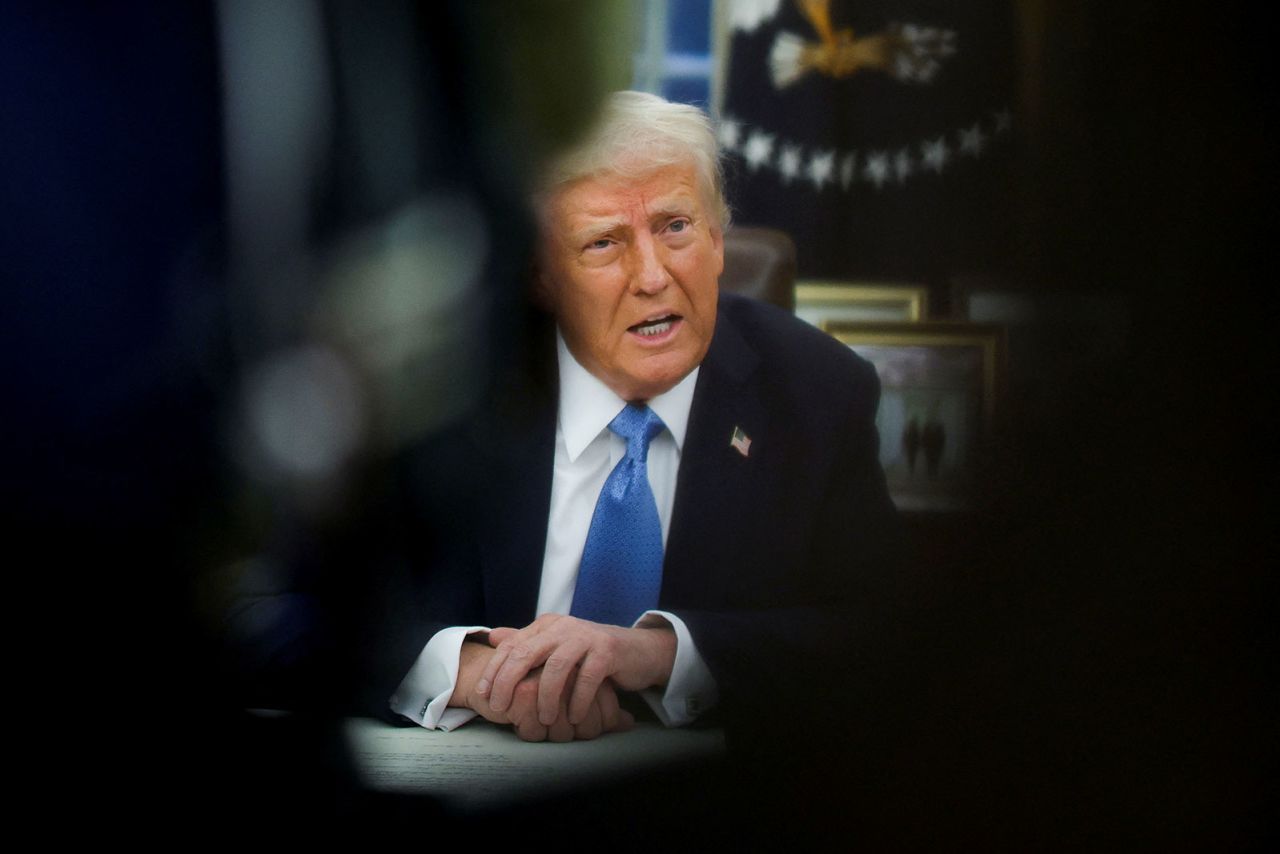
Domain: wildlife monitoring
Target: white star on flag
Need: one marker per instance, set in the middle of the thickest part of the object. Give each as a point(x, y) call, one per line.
point(848, 169)
point(758, 150)
point(877, 169)
point(746, 15)
point(972, 140)
point(821, 166)
point(730, 134)
point(789, 162)
point(902, 167)
point(934, 154)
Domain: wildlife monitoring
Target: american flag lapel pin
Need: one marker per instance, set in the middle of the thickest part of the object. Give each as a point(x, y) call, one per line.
point(740, 441)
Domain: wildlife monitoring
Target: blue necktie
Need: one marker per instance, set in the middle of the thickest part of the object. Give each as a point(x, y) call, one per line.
point(621, 569)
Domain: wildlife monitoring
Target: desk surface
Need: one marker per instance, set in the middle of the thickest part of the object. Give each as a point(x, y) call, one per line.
point(482, 765)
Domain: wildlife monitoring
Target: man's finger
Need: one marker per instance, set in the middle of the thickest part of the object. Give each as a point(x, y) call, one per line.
point(523, 711)
point(503, 640)
point(510, 664)
point(556, 673)
point(530, 730)
point(591, 725)
point(589, 681)
point(485, 683)
point(518, 652)
point(613, 717)
point(498, 635)
point(611, 714)
point(561, 730)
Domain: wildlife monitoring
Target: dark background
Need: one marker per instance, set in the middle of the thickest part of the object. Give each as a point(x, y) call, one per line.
point(1083, 663)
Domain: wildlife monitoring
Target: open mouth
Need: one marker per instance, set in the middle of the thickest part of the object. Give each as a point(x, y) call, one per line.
point(655, 327)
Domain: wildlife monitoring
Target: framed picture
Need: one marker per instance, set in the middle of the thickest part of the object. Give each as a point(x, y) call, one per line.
point(940, 383)
point(825, 303)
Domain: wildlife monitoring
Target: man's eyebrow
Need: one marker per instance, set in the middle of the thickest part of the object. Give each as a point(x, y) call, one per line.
point(595, 227)
point(592, 227)
point(674, 206)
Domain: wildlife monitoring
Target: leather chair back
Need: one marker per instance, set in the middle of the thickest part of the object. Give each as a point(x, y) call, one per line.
point(760, 263)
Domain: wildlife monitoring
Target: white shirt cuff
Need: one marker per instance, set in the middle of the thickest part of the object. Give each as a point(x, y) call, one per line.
point(692, 689)
point(423, 695)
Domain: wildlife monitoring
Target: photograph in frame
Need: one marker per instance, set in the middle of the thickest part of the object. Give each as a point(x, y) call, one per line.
point(939, 387)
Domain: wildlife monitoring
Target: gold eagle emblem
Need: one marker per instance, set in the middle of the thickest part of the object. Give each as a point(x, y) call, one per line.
point(907, 52)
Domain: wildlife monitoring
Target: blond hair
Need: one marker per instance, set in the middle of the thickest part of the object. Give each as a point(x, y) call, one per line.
point(635, 135)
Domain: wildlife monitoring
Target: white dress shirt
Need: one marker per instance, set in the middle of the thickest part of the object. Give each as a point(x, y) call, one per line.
point(586, 452)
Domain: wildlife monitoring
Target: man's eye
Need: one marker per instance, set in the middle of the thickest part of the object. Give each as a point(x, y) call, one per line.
point(678, 225)
point(602, 243)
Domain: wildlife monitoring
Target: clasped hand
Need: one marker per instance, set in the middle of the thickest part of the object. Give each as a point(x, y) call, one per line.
point(557, 677)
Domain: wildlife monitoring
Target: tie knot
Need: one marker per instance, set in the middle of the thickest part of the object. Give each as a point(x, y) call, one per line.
point(638, 425)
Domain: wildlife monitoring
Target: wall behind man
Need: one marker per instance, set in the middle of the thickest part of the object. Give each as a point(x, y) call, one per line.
point(1090, 642)
point(1099, 625)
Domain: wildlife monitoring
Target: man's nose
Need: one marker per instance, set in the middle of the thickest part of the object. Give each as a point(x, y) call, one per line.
point(649, 268)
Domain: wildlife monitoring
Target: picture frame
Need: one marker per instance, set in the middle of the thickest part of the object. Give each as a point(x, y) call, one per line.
point(940, 385)
point(823, 303)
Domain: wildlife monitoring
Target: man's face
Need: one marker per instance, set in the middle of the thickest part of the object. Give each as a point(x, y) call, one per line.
point(629, 266)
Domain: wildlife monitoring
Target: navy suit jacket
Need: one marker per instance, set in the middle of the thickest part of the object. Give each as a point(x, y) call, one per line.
point(780, 561)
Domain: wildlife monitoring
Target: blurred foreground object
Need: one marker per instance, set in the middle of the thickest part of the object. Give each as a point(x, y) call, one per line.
point(377, 253)
point(247, 248)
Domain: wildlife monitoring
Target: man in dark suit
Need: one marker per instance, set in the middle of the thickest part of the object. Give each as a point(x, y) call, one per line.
point(735, 555)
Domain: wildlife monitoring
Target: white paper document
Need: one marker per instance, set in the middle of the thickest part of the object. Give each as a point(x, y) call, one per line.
point(483, 765)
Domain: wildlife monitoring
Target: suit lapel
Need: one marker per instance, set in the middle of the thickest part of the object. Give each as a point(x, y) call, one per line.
point(715, 477)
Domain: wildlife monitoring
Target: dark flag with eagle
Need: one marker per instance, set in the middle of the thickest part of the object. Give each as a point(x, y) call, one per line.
point(876, 132)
